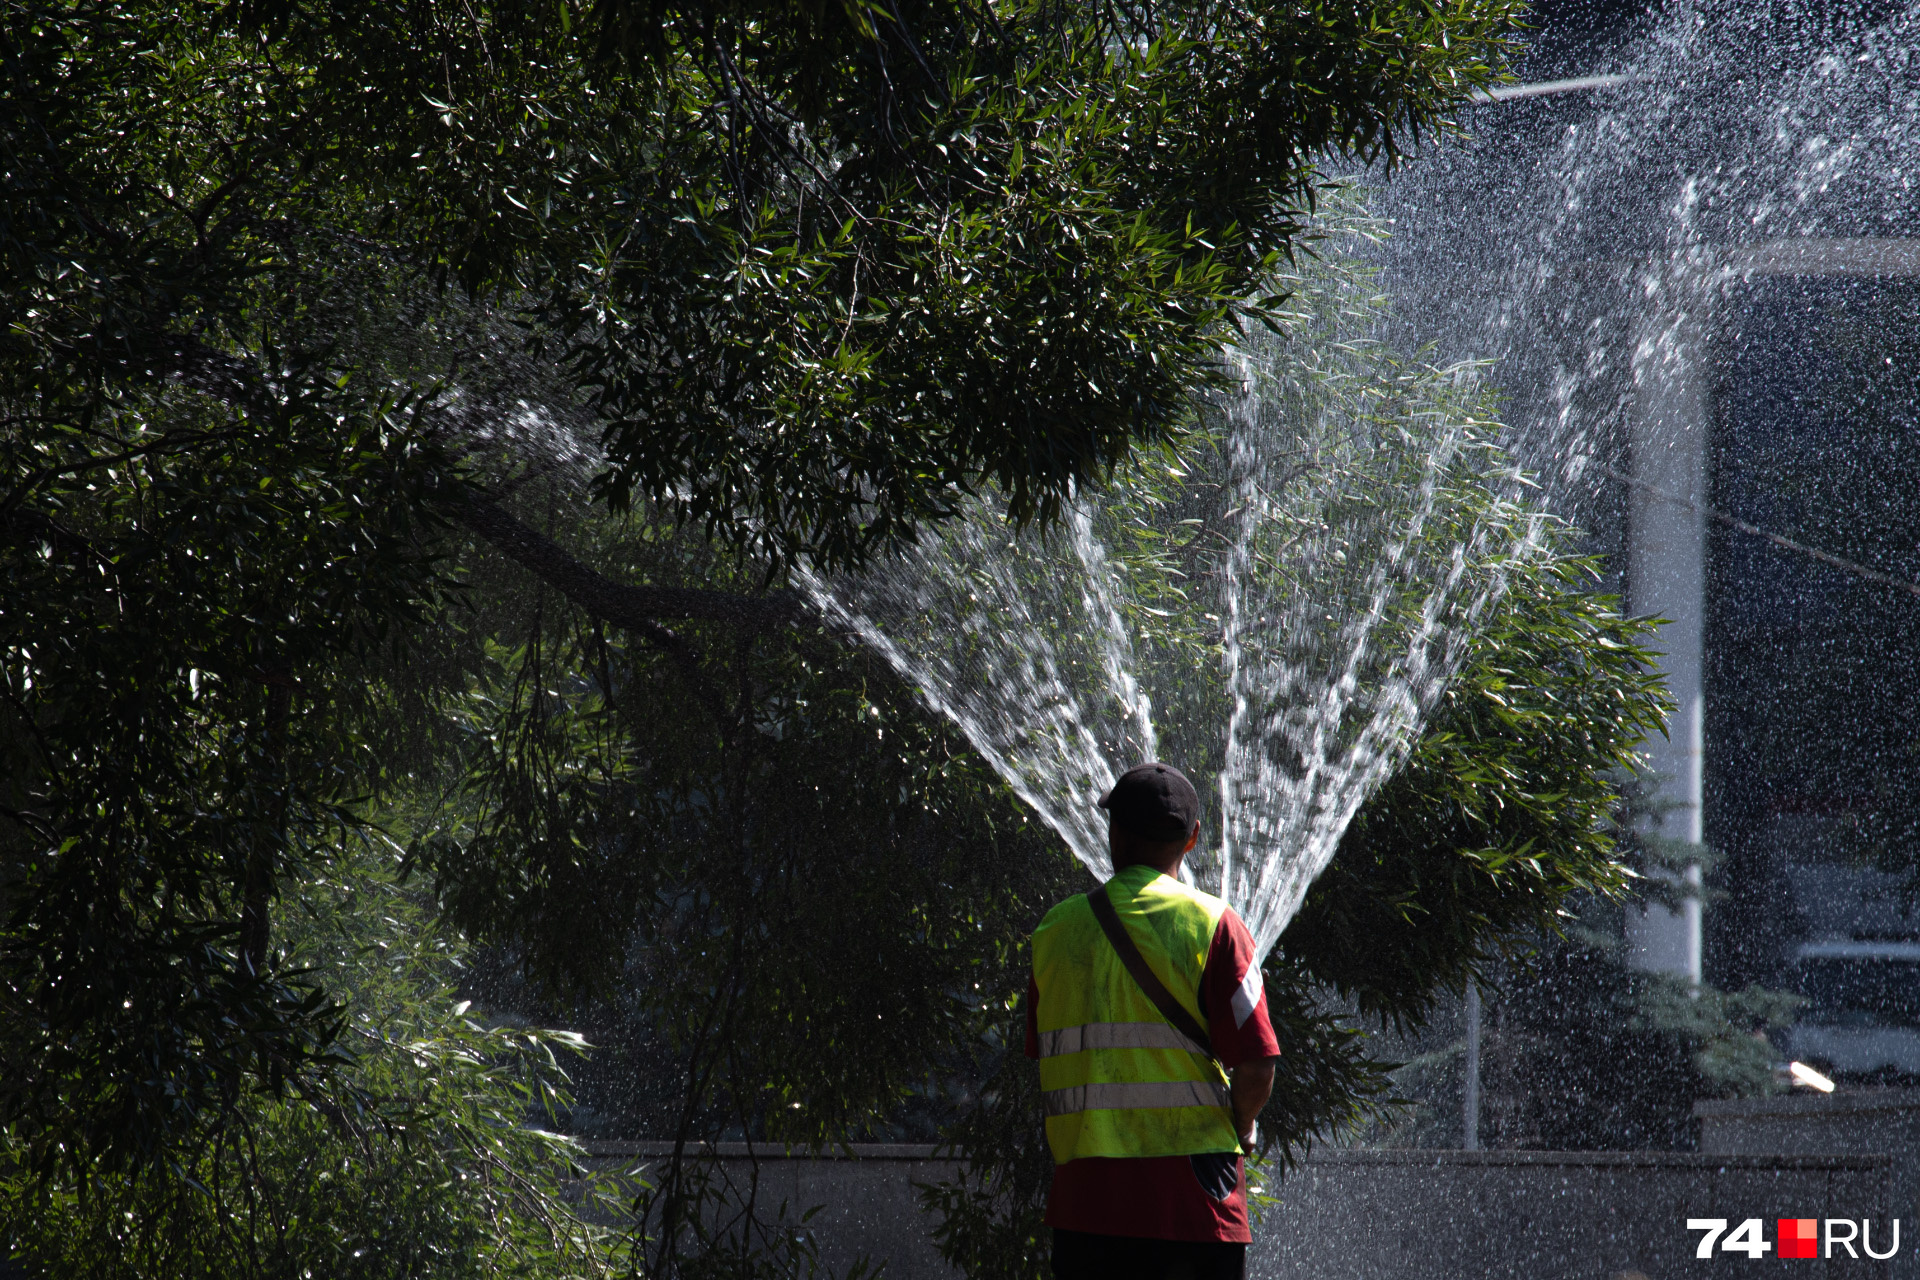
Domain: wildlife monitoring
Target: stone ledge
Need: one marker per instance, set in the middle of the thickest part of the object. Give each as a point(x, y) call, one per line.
point(1430, 1157)
point(613, 1148)
point(1437, 1158)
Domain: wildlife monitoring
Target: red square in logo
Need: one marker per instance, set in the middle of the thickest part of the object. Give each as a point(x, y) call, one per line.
point(1799, 1238)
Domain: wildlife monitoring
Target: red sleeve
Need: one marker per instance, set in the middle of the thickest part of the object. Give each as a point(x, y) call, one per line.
point(1234, 997)
point(1033, 1017)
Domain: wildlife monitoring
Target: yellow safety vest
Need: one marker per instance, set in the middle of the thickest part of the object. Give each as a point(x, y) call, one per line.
point(1116, 1078)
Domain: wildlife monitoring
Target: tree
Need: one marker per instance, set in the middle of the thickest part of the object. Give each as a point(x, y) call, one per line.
point(296, 293)
point(440, 1164)
point(702, 852)
point(817, 273)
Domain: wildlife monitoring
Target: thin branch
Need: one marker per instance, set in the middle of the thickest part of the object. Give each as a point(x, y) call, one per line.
point(233, 380)
point(622, 605)
point(172, 442)
point(1734, 522)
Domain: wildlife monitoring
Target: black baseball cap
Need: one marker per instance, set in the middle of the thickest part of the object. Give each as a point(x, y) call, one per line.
point(1153, 801)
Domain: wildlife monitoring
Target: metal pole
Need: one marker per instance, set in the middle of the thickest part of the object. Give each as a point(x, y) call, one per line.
point(1470, 1111)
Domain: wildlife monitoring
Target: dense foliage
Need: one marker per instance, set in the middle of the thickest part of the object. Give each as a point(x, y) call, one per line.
point(811, 906)
point(301, 297)
point(813, 270)
point(291, 290)
point(430, 1162)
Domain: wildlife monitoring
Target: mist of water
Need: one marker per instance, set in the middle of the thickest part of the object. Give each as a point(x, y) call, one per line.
point(1274, 606)
point(1277, 607)
point(1588, 245)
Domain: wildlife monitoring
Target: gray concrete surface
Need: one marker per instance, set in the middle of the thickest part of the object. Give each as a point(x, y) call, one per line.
point(1549, 1215)
point(863, 1199)
point(1883, 1122)
point(1397, 1215)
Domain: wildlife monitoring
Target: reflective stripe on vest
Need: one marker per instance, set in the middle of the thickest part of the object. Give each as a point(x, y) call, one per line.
point(1111, 1035)
point(1135, 1096)
point(1116, 1077)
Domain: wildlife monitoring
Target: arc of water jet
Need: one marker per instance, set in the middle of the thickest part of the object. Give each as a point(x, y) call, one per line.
point(1548, 88)
point(931, 689)
point(1116, 649)
point(1116, 645)
point(1392, 712)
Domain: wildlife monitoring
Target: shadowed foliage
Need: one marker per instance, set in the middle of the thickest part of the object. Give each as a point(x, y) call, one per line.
point(294, 291)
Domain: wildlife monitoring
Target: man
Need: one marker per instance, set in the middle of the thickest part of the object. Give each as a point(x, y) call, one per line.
point(1147, 1133)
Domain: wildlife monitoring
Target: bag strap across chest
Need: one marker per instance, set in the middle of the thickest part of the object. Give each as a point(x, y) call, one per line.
point(1143, 975)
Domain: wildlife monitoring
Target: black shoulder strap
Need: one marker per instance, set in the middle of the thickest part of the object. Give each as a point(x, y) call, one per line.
point(1170, 1009)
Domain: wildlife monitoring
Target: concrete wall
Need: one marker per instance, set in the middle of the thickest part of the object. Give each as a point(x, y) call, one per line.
point(1548, 1215)
point(1884, 1122)
point(865, 1197)
point(1399, 1215)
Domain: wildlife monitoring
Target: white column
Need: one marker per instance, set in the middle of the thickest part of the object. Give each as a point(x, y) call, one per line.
point(1666, 575)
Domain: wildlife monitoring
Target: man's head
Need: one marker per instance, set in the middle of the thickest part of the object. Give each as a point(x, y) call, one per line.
point(1153, 816)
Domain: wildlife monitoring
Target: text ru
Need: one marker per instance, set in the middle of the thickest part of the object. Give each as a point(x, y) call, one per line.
point(1796, 1237)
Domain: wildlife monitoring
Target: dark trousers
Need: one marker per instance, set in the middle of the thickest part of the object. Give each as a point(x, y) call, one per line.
point(1081, 1255)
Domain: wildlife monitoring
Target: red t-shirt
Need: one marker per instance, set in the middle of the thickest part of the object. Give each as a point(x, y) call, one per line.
point(1161, 1197)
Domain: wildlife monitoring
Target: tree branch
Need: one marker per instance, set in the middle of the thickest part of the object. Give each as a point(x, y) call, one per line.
point(631, 607)
point(232, 380)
